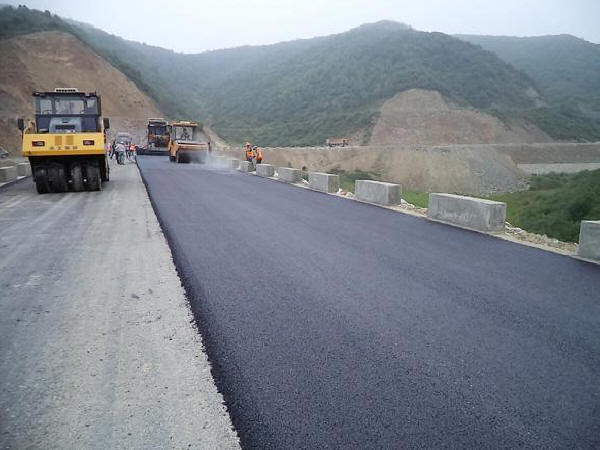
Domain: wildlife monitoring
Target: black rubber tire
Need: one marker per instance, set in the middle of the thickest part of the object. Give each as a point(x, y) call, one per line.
point(106, 173)
point(77, 177)
point(41, 180)
point(57, 178)
point(94, 182)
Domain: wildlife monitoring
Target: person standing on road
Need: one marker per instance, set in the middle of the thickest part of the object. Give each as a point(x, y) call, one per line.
point(120, 151)
point(112, 149)
point(131, 151)
point(249, 152)
point(259, 155)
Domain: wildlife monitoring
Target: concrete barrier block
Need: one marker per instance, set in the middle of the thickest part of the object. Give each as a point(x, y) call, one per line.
point(325, 182)
point(265, 170)
point(289, 175)
point(233, 163)
point(8, 174)
point(23, 169)
point(589, 239)
point(476, 213)
point(246, 166)
point(378, 192)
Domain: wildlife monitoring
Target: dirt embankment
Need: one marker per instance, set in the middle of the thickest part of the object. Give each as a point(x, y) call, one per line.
point(422, 117)
point(467, 169)
point(444, 169)
point(43, 61)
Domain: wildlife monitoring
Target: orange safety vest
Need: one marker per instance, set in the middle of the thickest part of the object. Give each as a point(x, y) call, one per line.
point(259, 154)
point(249, 154)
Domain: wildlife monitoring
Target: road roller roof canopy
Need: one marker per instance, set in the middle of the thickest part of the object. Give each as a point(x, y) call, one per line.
point(67, 111)
point(70, 103)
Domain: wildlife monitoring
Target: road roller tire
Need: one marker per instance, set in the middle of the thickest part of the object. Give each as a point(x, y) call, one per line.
point(94, 182)
point(106, 173)
point(57, 178)
point(77, 177)
point(41, 180)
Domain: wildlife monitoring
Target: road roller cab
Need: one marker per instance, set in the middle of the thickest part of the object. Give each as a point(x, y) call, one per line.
point(65, 143)
point(186, 143)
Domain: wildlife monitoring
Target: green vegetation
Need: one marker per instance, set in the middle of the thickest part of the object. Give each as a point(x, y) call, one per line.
point(555, 204)
point(417, 198)
point(567, 72)
point(564, 124)
point(348, 179)
point(305, 91)
point(22, 20)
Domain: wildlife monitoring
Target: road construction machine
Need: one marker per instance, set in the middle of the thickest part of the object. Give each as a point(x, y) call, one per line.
point(158, 137)
point(187, 143)
point(65, 143)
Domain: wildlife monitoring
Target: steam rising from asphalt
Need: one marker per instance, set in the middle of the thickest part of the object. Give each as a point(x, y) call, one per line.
point(214, 162)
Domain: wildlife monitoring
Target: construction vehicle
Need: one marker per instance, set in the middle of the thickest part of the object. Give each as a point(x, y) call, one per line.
point(66, 142)
point(158, 137)
point(337, 142)
point(186, 144)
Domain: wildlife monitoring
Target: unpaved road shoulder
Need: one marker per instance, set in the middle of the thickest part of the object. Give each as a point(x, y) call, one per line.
point(97, 344)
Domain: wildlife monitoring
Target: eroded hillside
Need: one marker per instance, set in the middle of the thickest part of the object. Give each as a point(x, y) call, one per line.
point(45, 60)
point(423, 117)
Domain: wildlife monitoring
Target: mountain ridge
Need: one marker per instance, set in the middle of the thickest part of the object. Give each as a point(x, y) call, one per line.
point(303, 91)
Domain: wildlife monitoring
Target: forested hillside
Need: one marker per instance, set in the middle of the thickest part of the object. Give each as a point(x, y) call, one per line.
point(304, 91)
point(565, 68)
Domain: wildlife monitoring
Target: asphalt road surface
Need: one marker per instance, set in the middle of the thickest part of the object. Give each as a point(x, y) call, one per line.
point(96, 345)
point(336, 324)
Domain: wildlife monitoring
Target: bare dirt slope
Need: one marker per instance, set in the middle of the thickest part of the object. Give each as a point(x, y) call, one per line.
point(460, 169)
point(422, 117)
point(43, 61)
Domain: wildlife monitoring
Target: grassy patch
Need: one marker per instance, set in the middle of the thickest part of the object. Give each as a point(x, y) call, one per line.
point(555, 204)
point(417, 198)
point(348, 179)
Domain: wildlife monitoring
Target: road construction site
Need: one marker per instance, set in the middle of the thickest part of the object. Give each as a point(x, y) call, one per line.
point(326, 322)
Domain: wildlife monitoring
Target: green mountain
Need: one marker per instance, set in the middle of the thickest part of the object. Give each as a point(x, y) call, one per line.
point(565, 68)
point(302, 92)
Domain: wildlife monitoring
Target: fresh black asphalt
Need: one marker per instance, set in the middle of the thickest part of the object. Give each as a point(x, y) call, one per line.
point(336, 324)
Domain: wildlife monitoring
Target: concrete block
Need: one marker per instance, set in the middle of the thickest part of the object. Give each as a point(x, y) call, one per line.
point(233, 163)
point(265, 170)
point(378, 192)
point(246, 166)
point(8, 174)
point(23, 169)
point(325, 182)
point(475, 213)
point(589, 239)
point(290, 175)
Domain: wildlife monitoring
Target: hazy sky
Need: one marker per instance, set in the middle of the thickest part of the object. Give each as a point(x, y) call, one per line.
point(194, 26)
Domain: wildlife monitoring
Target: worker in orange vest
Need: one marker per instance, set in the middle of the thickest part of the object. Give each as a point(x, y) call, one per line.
point(249, 152)
point(259, 155)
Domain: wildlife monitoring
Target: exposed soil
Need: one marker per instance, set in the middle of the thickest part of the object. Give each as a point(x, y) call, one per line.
point(422, 117)
point(45, 60)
